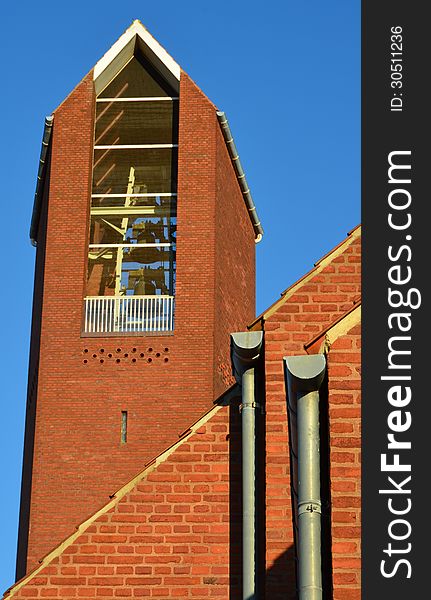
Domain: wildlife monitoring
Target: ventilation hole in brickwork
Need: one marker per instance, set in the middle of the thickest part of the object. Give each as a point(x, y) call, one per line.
point(133, 360)
point(85, 350)
point(109, 355)
point(150, 349)
point(133, 349)
point(118, 350)
point(157, 354)
point(142, 355)
point(166, 349)
point(102, 360)
point(102, 350)
point(94, 355)
point(85, 361)
point(149, 360)
point(166, 360)
point(125, 355)
point(118, 360)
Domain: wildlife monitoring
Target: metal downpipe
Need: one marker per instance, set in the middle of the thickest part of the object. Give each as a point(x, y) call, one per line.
point(248, 485)
point(40, 179)
point(245, 355)
point(304, 376)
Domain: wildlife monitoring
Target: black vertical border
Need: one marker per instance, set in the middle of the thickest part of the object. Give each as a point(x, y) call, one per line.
point(384, 131)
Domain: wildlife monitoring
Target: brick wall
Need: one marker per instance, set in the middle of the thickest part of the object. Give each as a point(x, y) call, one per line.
point(344, 362)
point(234, 264)
point(163, 382)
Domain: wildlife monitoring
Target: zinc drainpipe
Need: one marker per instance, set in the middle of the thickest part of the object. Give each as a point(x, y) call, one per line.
point(240, 175)
point(304, 376)
point(245, 355)
point(47, 130)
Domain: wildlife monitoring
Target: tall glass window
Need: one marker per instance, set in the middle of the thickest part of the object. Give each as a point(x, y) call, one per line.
point(131, 258)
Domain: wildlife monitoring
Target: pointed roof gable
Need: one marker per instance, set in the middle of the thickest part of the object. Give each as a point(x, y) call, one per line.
point(136, 36)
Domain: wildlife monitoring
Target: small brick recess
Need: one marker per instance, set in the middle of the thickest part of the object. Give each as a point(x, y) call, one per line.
point(175, 530)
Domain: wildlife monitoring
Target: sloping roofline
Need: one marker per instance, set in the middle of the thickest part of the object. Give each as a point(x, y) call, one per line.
point(318, 266)
point(322, 342)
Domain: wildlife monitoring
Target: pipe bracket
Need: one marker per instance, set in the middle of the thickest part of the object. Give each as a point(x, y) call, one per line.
point(249, 405)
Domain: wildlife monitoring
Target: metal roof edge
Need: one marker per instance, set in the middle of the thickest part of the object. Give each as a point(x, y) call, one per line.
point(41, 174)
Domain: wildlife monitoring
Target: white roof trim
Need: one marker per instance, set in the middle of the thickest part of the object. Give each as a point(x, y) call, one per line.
point(136, 28)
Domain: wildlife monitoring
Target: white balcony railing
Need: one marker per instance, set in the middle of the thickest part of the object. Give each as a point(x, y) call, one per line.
point(124, 314)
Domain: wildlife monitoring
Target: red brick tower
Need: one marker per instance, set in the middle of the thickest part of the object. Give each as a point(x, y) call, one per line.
point(145, 263)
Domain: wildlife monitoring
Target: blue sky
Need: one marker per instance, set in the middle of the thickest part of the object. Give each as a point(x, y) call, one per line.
point(286, 73)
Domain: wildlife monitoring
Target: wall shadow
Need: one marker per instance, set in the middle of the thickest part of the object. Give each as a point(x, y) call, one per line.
point(281, 577)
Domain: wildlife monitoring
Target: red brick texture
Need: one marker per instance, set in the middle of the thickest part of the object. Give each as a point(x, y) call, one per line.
point(234, 296)
point(163, 382)
point(344, 365)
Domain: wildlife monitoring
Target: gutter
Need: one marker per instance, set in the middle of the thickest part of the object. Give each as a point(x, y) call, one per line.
point(304, 376)
point(40, 179)
point(245, 354)
point(240, 175)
